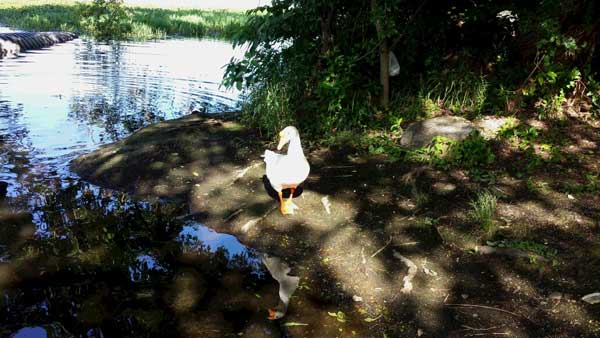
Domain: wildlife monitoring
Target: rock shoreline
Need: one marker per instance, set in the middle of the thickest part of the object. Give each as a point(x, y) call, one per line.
point(11, 44)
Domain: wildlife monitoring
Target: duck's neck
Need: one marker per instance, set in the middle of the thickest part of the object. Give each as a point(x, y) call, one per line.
point(295, 148)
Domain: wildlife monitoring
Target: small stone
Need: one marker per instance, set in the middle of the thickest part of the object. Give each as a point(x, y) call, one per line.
point(556, 296)
point(419, 332)
point(464, 296)
point(357, 298)
point(429, 272)
point(592, 298)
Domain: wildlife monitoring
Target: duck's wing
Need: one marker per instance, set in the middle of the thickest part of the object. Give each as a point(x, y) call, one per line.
point(274, 163)
point(272, 158)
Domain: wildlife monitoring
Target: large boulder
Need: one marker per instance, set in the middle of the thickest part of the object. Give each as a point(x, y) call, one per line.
point(421, 133)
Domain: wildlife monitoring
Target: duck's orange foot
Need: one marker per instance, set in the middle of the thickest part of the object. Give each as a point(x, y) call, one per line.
point(288, 207)
point(272, 314)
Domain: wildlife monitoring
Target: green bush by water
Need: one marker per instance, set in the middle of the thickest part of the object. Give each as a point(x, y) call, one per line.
point(106, 19)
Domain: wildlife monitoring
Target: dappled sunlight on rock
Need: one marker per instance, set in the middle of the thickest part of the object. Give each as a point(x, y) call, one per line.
point(115, 162)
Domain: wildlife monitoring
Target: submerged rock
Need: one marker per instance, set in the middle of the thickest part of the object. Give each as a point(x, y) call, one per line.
point(421, 133)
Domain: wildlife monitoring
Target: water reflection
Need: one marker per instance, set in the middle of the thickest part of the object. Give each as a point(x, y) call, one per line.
point(94, 261)
point(196, 237)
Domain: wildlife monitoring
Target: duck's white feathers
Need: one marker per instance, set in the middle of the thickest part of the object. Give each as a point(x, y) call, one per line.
point(284, 171)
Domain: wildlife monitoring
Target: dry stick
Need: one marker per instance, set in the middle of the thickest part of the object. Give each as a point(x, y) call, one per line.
point(243, 172)
point(407, 244)
point(233, 214)
point(255, 221)
point(488, 308)
point(480, 329)
point(412, 271)
point(537, 65)
point(511, 252)
point(382, 248)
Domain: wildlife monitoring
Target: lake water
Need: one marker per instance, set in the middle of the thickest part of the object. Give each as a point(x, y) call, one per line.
point(77, 260)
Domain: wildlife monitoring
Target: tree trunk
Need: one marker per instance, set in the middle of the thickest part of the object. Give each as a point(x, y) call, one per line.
point(326, 36)
point(384, 73)
point(384, 58)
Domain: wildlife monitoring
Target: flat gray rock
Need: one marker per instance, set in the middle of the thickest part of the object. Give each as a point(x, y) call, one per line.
point(421, 133)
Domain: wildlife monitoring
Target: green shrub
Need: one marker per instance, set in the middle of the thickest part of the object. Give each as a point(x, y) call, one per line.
point(106, 19)
point(474, 152)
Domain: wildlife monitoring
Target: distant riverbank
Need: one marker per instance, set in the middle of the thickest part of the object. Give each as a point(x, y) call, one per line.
point(149, 21)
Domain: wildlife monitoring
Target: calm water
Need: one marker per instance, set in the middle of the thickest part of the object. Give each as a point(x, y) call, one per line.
point(67, 100)
point(77, 260)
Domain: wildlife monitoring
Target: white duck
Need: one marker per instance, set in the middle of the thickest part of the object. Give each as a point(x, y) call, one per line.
point(289, 170)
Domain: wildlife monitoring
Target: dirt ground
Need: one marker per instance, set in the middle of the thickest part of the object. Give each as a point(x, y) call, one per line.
point(385, 249)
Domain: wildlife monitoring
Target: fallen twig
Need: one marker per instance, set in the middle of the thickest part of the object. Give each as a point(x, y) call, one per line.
point(382, 248)
point(243, 172)
point(479, 329)
point(511, 252)
point(248, 225)
point(326, 204)
point(406, 244)
point(412, 271)
point(488, 308)
point(487, 334)
point(233, 214)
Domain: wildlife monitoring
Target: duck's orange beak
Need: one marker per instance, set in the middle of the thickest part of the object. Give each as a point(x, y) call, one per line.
point(282, 141)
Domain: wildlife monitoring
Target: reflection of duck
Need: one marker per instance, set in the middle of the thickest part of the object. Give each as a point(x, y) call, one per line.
point(287, 284)
point(131, 124)
point(289, 170)
point(203, 109)
point(149, 116)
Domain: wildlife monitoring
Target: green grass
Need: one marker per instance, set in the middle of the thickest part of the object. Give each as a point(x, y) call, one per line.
point(148, 23)
point(458, 90)
point(483, 210)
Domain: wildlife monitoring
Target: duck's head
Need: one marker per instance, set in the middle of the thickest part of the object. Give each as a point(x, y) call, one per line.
point(286, 135)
